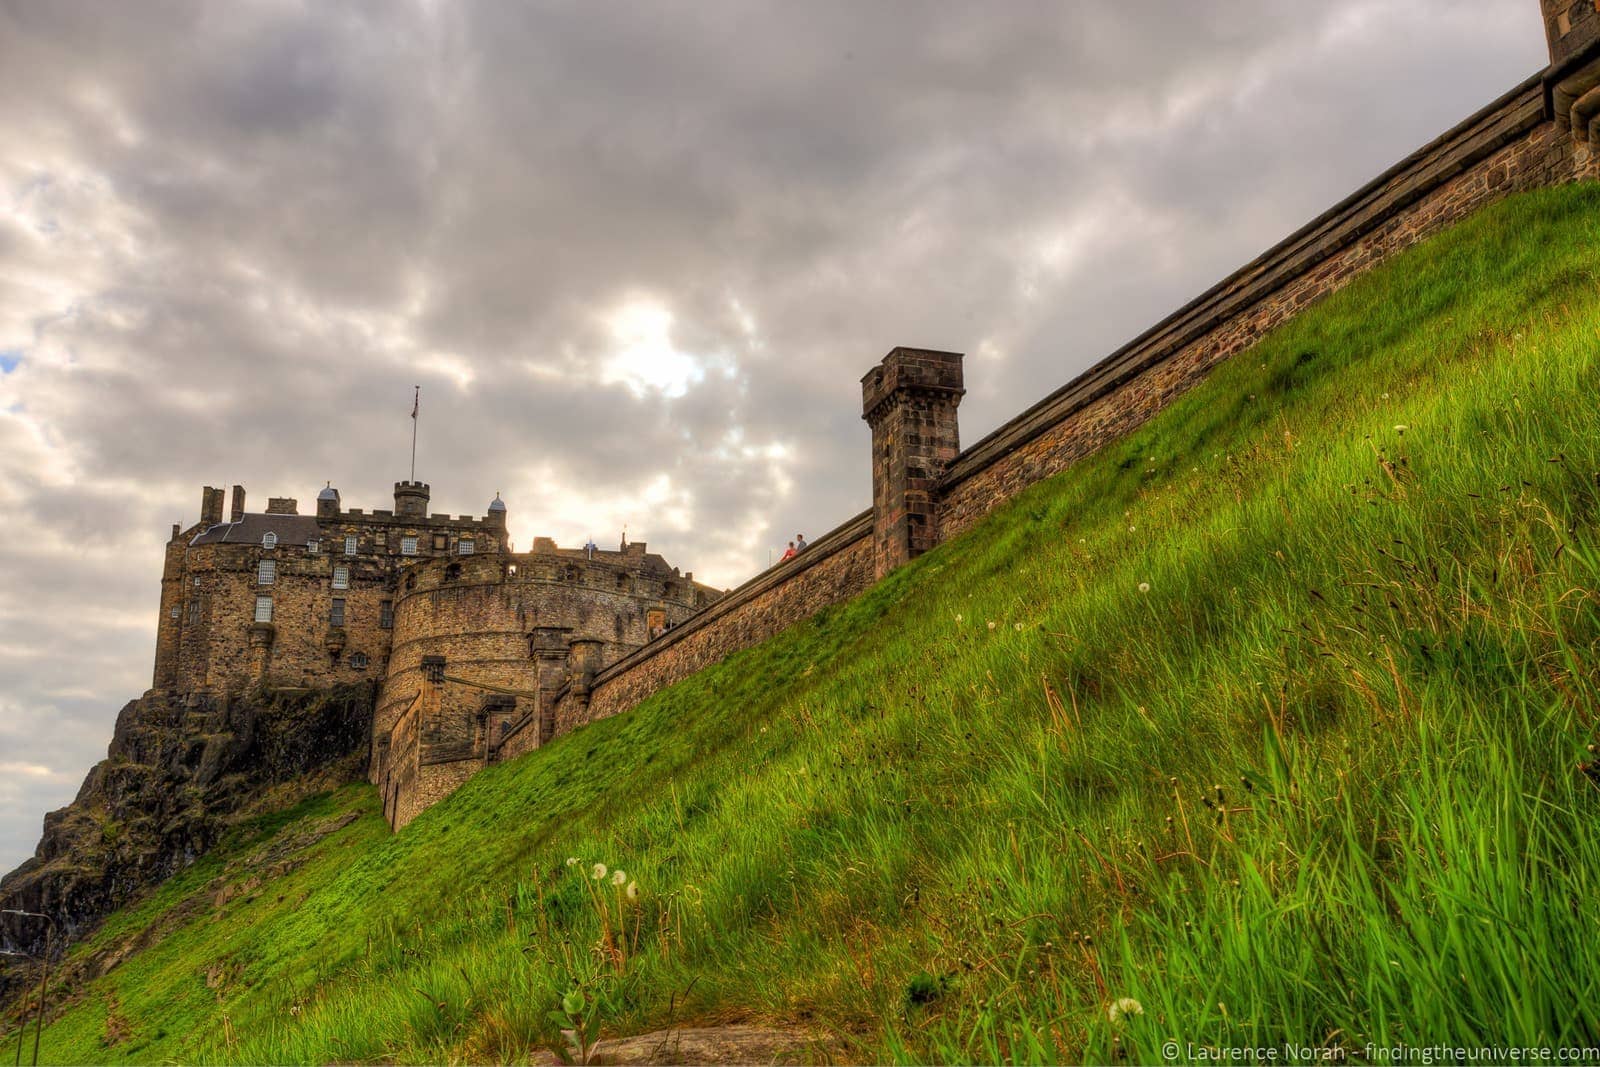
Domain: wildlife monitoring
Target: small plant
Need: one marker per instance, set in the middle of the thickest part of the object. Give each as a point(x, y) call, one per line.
point(579, 1014)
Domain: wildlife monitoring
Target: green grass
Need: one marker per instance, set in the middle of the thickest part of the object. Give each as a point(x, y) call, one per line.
point(1318, 784)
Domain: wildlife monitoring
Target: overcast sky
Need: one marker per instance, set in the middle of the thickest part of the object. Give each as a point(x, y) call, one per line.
point(637, 256)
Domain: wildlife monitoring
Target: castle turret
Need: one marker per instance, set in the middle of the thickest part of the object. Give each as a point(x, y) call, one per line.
point(910, 401)
point(497, 511)
point(411, 499)
point(328, 503)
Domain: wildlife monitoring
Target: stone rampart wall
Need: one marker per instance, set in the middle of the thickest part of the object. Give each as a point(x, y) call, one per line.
point(1509, 146)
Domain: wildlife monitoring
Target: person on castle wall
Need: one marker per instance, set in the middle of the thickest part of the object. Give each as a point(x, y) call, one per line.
point(788, 555)
point(800, 542)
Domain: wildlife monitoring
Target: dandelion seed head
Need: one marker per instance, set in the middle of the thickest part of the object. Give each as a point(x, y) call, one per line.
point(1144, 587)
point(1401, 428)
point(633, 890)
point(1122, 1008)
point(619, 876)
point(991, 624)
point(1016, 626)
point(573, 861)
point(598, 871)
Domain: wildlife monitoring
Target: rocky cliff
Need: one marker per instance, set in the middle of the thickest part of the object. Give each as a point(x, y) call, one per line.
point(178, 773)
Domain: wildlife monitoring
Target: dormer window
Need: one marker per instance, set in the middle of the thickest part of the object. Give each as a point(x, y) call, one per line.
point(341, 577)
point(313, 547)
point(266, 572)
point(269, 540)
point(464, 547)
point(350, 545)
point(408, 546)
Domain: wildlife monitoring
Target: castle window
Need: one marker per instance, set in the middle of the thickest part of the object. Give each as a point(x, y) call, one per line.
point(411, 582)
point(386, 614)
point(312, 547)
point(266, 572)
point(350, 545)
point(511, 570)
point(358, 660)
point(269, 540)
point(194, 611)
point(408, 546)
point(336, 612)
point(441, 542)
point(263, 609)
point(174, 613)
point(452, 573)
point(341, 577)
point(197, 581)
point(464, 546)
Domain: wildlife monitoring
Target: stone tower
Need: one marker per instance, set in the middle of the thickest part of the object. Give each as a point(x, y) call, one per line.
point(909, 400)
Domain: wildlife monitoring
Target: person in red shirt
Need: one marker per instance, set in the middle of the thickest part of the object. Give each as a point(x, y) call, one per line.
point(789, 554)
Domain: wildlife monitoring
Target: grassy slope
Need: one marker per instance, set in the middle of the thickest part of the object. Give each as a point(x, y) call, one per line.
point(1318, 781)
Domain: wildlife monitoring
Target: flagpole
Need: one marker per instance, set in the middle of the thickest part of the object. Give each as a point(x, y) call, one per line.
point(416, 404)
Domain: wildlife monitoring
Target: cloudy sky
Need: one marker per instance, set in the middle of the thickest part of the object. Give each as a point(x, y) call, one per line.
point(637, 256)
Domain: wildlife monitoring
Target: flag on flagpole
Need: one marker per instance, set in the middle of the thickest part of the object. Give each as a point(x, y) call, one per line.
point(416, 401)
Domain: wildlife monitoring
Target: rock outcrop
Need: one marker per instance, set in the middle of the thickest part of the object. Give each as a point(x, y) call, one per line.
point(178, 774)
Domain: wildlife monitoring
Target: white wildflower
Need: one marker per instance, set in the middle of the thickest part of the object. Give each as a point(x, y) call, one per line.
point(1132, 528)
point(1123, 1007)
point(958, 617)
point(598, 871)
point(991, 624)
point(633, 890)
point(1385, 396)
point(1144, 587)
point(619, 876)
point(1016, 626)
point(1401, 428)
point(573, 861)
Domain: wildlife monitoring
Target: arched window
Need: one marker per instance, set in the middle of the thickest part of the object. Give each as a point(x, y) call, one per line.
point(269, 540)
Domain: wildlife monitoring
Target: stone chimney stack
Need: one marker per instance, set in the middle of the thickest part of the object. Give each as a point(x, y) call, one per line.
point(411, 499)
point(237, 511)
point(910, 402)
point(210, 506)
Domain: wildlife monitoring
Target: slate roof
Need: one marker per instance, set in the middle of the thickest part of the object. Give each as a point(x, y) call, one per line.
point(291, 530)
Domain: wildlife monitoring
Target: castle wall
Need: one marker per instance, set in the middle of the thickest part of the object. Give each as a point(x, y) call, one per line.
point(1509, 146)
